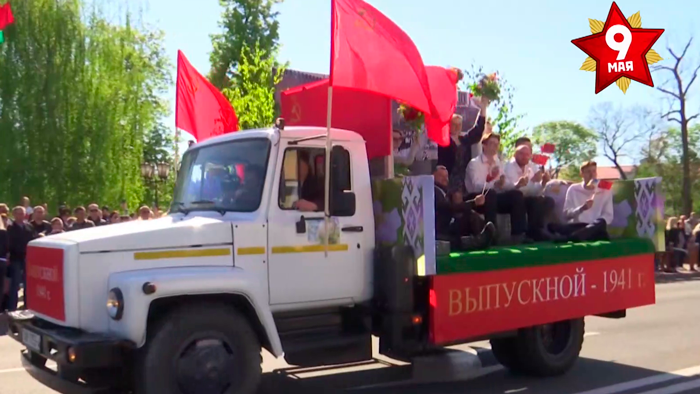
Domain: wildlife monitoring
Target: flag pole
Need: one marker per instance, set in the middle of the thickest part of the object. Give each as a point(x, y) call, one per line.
point(329, 143)
point(177, 132)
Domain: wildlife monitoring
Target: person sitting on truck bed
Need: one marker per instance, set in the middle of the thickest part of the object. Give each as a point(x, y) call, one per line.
point(524, 175)
point(455, 219)
point(311, 196)
point(485, 175)
point(588, 208)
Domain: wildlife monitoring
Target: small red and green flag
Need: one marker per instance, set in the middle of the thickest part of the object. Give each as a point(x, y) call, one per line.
point(6, 19)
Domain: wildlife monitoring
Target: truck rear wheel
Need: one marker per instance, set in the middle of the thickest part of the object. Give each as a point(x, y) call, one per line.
point(200, 349)
point(550, 349)
point(505, 350)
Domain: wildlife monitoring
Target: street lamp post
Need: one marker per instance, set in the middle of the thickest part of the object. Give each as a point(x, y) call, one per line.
point(155, 173)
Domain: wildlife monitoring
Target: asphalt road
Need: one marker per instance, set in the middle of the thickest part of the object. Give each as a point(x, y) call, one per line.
point(655, 350)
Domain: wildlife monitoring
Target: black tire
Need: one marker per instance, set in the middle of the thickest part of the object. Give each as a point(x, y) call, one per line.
point(505, 350)
point(550, 350)
point(178, 338)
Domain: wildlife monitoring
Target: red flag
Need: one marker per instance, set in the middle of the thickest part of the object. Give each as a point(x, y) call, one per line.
point(540, 160)
point(200, 108)
point(443, 95)
point(605, 185)
point(368, 114)
point(548, 148)
point(6, 17)
point(371, 53)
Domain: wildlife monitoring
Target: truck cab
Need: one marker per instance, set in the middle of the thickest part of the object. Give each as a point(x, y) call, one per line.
point(247, 260)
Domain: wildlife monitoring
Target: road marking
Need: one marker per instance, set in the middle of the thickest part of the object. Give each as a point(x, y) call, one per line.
point(590, 334)
point(648, 381)
point(676, 388)
point(11, 370)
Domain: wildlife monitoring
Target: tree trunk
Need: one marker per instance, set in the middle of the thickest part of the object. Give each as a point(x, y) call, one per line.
point(623, 176)
point(687, 196)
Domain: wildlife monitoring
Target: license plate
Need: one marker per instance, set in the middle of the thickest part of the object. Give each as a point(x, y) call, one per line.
point(32, 340)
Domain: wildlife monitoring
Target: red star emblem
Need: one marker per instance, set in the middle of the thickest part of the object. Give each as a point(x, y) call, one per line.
point(619, 50)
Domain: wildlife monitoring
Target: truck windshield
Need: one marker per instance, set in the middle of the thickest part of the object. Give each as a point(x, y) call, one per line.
point(224, 177)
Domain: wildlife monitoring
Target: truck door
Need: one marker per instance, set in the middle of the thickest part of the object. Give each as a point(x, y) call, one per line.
point(299, 271)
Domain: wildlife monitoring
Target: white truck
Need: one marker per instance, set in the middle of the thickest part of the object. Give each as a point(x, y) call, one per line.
point(185, 303)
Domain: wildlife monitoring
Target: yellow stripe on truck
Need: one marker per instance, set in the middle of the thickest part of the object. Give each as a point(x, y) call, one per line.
point(180, 254)
point(250, 250)
point(309, 248)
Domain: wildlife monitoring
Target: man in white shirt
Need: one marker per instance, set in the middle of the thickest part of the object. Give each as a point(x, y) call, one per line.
point(588, 208)
point(485, 175)
point(524, 175)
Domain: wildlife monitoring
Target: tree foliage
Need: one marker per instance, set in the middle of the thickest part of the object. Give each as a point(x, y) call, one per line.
point(574, 143)
point(77, 97)
point(252, 91)
point(663, 157)
point(244, 24)
point(157, 150)
point(505, 121)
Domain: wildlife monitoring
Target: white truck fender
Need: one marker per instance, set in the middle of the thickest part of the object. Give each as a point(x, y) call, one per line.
point(186, 281)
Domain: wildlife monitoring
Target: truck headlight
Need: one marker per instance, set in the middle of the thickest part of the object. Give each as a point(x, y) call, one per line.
point(115, 304)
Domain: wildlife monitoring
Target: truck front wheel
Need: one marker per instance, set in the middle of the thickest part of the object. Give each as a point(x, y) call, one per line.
point(197, 349)
point(550, 349)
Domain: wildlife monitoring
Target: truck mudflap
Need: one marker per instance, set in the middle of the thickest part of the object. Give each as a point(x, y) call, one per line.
point(92, 358)
point(475, 304)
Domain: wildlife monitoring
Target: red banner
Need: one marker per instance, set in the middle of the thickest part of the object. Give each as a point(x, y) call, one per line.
point(473, 304)
point(366, 113)
point(44, 292)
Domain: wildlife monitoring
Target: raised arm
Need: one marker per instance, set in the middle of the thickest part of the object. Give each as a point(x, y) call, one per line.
point(474, 135)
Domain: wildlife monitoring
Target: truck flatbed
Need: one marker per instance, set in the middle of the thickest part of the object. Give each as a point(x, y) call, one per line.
point(506, 288)
point(541, 254)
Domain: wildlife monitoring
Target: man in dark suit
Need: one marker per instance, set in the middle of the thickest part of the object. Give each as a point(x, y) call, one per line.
point(455, 219)
point(19, 233)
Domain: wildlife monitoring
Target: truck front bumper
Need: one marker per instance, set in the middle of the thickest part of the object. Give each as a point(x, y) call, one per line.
point(83, 360)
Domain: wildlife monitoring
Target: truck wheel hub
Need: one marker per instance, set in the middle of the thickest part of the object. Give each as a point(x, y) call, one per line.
point(556, 337)
point(205, 366)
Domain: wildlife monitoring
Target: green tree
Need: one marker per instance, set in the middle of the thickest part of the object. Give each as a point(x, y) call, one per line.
point(244, 23)
point(77, 95)
point(574, 144)
point(505, 121)
point(663, 157)
point(156, 150)
point(252, 93)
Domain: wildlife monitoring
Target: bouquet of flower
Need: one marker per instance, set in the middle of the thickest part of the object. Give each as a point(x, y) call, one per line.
point(487, 87)
point(413, 118)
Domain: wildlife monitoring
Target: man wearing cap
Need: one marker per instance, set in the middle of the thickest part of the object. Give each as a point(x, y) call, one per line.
point(485, 175)
point(524, 175)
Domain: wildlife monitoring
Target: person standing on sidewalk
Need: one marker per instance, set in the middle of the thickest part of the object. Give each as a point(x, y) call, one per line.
point(3, 262)
point(19, 234)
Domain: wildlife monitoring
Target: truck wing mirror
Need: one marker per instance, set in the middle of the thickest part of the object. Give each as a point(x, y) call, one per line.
point(342, 203)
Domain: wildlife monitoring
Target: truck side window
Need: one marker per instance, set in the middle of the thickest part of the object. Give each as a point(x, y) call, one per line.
point(340, 175)
point(301, 184)
point(341, 179)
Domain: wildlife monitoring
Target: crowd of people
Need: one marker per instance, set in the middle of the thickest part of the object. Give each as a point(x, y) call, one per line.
point(24, 223)
point(682, 243)
point(472, 189)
